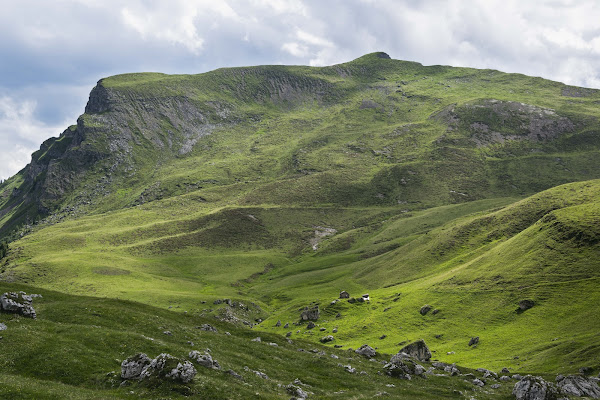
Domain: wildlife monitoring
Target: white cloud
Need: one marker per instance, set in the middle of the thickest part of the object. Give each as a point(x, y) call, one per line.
point(21, 134)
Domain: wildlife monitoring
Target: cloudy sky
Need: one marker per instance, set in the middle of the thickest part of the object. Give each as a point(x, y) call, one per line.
point(53, 51)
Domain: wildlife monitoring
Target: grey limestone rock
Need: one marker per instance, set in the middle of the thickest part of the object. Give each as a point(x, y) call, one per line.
point(310, 313)
point(296, 391)
point(132, 367)
point(207, 328)
point(167, 367)
point(327, 339)
point(3, 327)
point(366, 350)
point(344, 295)
point(18, 303)
point(418, 350)
point(575, 385)
point(204, 360)
point(425, 309)
point(310, 325)
point(534, 388)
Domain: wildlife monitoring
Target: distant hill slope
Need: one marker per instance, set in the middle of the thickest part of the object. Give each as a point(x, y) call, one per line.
point(466, 190)
point(374, 131)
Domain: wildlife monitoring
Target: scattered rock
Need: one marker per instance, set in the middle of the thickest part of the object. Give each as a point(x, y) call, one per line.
point(425, 309)
point(207, 328)
point(505, 371)
point(474, 341)
point(327, 339)
point(335, 330)
point(3, 327)
point(534, 388)
point(256, 339)
point(165, 366)
point(366, 297)
point(349, 368)
point(310, 325)
point(401, 366)
point(338, 315)
point(287, 325)
point(234, 374)
point(452, 370)
point(575, 385)
point(288, 334)
point(278, 324)
point(344, 295)
point(322, 329)
point(310, 313)
point(18, 303)
point(418, 350)
point(382, 337)
point(366, 350)
point(204, 360)
point(496, 386)
point(168, 333)
point(132, 367)
point(525, 305)
point(296, 391)
point(478, 382)
point(504, 378)
point(435, 311)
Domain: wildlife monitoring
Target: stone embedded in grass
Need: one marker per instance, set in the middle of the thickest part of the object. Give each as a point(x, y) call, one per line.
point(534, 388)
point(207, 328)
point(310, 325)
point(402, 366)
point(132, 367)
point(296, 391)
point(204, 360)
point(525, 305)
point(167, 367)
point(327, 339)
point(474, 341)
point(344, 295)
point(310, 313)
point(287, 325)
point(366, 350)
point(3, 327)
point(425, 309)
point(278, 324)
point(418, 350)
point(18, 303)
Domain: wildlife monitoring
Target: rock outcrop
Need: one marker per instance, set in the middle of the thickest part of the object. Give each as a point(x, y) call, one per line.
point(310, 313)
point(580, 386)
point(18, 303)
point(204, 359)
point(417, 350)
point(366, 350)
point(534, 388)
point(163, 367)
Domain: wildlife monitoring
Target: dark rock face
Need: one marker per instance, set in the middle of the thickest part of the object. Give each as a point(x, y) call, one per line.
point(310, 313)
point(366, 350)
point(18, 303)
point(425, 309)
point(575, 385)
point(417, 350)
point(534, 388)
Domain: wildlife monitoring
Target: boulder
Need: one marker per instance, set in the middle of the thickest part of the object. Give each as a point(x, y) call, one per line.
point(474, 341)
point(366, 350)
point(327, 339)
point(18, 303)
point(534, 388)
point(401, 366)
point(207, 328)
point(580, 386)
point(418, 350)
point(478, 382)
point(310, 313)
point(425, 309)
point(296, 391)
point(452, 370)
point(344, 295)
point(167, 367)
point(204, 360)
point(525, 305)
point(132, 367)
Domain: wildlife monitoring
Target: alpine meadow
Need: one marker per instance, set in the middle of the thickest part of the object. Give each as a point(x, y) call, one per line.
point(377, 228)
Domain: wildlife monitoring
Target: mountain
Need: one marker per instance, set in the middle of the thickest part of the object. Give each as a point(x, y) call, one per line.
point(473, 192)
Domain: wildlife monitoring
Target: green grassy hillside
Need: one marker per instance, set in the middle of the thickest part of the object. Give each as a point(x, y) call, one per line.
point(466, 190)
